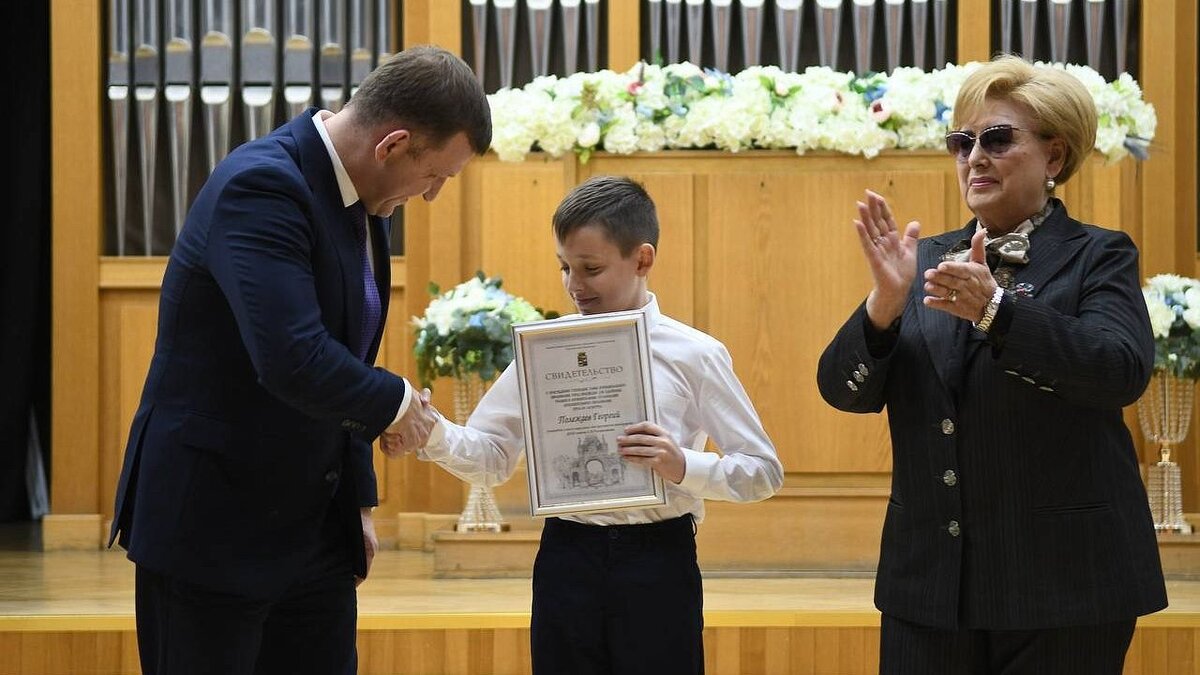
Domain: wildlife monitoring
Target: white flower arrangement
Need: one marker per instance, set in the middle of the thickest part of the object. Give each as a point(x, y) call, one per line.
point(1174, 306)
point(678, 106)
point(466, 330)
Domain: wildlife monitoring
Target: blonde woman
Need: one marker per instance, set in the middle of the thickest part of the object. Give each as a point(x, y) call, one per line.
point(1018, 537)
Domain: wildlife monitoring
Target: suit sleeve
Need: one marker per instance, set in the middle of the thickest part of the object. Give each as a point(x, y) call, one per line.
point(260, 254)
point(849, 377)
point(1102, 356)
point(359, 456)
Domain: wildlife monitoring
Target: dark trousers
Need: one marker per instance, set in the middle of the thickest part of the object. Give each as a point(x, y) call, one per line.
point(910, 649)
point(186, 629)
point(621, 599)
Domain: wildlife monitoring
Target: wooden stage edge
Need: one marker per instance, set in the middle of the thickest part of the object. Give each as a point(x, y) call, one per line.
point(74, 591)
point(71, 613)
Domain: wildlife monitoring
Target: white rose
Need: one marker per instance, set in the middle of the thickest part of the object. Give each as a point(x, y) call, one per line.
point(1161, 316)
point(1191, 316)
point(1167, 284)
point(589, 135)
point(622, 135)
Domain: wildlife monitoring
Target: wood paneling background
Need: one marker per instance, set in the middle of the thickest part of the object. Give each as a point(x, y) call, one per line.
point(756, 249)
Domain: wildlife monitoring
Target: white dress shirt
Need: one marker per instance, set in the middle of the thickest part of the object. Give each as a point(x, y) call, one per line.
point(349, 197)
point(698, 396)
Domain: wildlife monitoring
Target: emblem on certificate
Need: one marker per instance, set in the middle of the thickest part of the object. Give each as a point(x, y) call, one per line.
point(582, 381)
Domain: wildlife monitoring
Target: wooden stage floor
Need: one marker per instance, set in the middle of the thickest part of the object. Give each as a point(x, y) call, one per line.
point(72, 613)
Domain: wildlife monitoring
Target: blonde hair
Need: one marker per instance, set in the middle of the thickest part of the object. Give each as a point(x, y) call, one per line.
point(1060, 105)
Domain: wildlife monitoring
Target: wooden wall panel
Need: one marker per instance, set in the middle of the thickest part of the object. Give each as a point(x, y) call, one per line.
point(817, 528)
point(673, 277)
point(784, 271)
point(77, 207)
point(516, 240)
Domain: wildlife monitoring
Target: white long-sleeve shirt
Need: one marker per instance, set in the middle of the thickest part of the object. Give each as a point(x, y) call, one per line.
point(698, 396)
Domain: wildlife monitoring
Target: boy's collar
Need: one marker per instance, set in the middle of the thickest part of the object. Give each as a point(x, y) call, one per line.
point(653, 314)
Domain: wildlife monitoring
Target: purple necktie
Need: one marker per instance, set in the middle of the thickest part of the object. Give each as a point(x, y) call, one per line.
point(371, 306)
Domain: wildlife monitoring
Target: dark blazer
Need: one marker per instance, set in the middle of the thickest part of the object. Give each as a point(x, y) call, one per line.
point(1017, 501)
point(256, 418)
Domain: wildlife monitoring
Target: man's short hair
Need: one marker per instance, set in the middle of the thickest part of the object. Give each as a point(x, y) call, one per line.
point(618, 204)
point(429, 91)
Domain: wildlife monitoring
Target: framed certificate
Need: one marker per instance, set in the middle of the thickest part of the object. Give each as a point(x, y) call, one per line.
point(582, 381)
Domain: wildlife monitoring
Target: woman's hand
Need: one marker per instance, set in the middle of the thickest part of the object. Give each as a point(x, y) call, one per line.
point(892, 257)
point(961, 288)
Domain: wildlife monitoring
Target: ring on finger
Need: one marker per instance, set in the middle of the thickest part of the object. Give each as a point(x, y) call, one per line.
point(952, 296)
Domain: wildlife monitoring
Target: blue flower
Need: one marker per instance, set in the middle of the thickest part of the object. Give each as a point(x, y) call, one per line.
point(942, 112)
point(875, 93)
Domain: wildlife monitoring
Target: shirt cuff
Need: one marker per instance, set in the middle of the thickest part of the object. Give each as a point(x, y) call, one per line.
point(698, 467)
point(435, 448)
point(408, 393)
point(437, 436)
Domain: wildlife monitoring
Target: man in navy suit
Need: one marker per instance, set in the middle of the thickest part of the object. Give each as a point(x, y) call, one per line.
point(247, 485)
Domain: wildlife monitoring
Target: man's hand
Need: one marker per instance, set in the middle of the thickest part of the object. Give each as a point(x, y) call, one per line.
point(650, 445)
point(411, 431)
point(370, 541)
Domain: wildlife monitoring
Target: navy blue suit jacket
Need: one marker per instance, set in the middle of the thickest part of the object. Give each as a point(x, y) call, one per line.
point(256, 418)
point(1017, 501)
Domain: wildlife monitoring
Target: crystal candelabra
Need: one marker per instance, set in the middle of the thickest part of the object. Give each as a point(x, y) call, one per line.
point(1165, 412)
point(481, 513)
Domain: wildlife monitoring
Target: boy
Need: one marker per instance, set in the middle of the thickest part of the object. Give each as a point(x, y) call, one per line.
point(619, 592)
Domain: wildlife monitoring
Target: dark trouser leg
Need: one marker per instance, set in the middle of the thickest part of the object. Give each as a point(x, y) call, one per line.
point(312, 628)
point(184, 629)
point(655, 620)
point(567, 624)
point(1072, 650)
point(907, 648)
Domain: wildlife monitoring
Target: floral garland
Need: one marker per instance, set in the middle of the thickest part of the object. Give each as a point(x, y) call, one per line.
point(651, 108)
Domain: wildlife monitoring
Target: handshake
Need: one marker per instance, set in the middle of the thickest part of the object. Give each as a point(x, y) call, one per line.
point(410, 432)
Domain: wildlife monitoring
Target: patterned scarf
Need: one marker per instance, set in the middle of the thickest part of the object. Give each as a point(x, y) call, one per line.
point(1007, 250)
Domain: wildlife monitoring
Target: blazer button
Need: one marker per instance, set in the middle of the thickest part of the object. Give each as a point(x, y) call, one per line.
point(950, 478)
point(347, 424)
point(954, 529)
point(947, 426)
point(331, 477)
point(850, 384)
point(862, 368)
point(859, 376)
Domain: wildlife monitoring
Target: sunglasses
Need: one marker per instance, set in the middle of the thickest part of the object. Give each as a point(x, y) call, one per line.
point(995, 141)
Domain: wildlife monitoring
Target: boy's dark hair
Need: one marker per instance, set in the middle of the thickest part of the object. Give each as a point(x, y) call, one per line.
point(430, 91)
point(618, 204)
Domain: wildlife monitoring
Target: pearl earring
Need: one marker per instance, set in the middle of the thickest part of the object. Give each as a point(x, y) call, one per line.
point(1050, 185)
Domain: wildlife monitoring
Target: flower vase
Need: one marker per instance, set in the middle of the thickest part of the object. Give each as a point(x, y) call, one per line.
point(1164, 412)
point(480, 513)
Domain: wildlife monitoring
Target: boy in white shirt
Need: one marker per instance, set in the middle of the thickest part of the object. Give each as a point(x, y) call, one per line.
point(620, 592)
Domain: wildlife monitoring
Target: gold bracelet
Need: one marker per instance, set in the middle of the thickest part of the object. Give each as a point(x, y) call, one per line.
point(989, 310)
